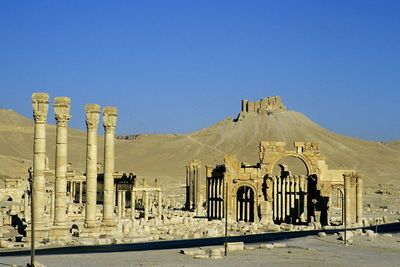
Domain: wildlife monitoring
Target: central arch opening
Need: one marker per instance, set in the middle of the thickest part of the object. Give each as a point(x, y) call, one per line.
point(336, 206)
point(290, 190)
point(245, 204)
point(290, 165)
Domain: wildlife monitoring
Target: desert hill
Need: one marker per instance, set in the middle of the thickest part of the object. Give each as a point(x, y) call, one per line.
point(165, 156)
point(393, 144)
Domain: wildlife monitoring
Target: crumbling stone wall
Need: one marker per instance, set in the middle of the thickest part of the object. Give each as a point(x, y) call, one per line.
point(266, 105)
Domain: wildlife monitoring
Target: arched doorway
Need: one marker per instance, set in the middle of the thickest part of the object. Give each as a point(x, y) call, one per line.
point(336, 206)
point(290, 175)
point(245, 204)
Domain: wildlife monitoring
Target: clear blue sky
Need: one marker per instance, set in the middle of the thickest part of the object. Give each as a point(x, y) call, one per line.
point(179, 66)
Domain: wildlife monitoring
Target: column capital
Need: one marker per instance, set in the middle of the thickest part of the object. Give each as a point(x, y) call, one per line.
point(40, 105)
point(110, 119)
point(62, 107)
point(92, 116)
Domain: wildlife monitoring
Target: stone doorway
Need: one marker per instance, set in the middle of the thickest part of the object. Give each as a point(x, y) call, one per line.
point(245, 204)
point(336, 206)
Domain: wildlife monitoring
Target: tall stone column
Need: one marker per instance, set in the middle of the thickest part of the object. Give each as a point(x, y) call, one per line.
point(159, 203)
point(133, 202)
point(359, 200)
point(123, 204)
point(198, 189)
point(80, 192)
point(92, 122)
point(61, 112)
point(26, 206)
point(279, 189)
point(146, 205)
point(109, 122)
point(40, 105)
point(292, 198)
point(297, 197)
point(52, 204)
point(347, 198)
point(119, 207)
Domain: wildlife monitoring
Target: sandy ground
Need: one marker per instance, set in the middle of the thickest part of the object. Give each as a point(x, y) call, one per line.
point(307, 251)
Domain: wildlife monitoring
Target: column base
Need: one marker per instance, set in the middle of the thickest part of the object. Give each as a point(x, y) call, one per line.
point(109, 222)
point(41, 233)
point(60, 232)
point(91, 224)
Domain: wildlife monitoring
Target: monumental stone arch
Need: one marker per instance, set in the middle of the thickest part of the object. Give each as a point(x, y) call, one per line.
point(246, 201)
point(285, 186)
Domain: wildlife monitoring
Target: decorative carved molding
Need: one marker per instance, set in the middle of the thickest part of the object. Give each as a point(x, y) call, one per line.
point(92, 116)
point(40, 106)
point(110, 119)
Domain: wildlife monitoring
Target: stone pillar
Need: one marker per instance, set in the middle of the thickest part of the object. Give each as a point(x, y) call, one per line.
point(119, 207)
point(123, 204)
point(70, 192)
point(61, 112)
point(359, 201)
point(52, 204)
point(292, 198)
point(347, 198)
point(92, 122)
point(274, 198)
point(187, 204)
point(244, 105)
point(40, 105)
point(80, 191)
point(159, 204)
point(26, 206)
point(281, 199)
point(146, 205)
point(287, 184)
point(297, 197)
point(133, 201)
point(109, 121)
point(198, 193)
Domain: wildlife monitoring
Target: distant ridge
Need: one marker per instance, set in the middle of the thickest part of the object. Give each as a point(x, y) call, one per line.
point(165, 156)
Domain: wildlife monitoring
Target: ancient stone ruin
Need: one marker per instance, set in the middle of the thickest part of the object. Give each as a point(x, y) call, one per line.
point(287, 189)
point(266, 105)
point(253, 193)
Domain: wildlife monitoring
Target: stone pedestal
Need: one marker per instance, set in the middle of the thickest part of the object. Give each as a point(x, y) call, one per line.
point(41, 233)
point(60, 232)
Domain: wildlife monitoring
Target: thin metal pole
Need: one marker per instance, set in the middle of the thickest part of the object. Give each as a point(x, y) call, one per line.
point(226, 219)
point(345, 216)
point(32, 221)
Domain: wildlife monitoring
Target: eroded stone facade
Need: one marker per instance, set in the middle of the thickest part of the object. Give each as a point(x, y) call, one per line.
point(255, 194)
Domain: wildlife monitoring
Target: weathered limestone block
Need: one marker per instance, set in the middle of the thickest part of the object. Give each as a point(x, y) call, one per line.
point(235, 246)
point(279, 245)
point(266, 213)
point(192, 251)
point(266, 246)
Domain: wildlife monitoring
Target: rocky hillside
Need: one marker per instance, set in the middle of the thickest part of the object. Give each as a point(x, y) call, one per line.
point(165, 156)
